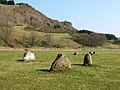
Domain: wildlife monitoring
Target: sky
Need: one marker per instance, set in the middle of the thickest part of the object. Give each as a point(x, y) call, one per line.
point(101, 16)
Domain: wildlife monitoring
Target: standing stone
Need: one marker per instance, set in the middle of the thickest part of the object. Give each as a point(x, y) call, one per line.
point(94, 52)
point(75, 53)
point(28, 56)
point(87, 59)
point(60, 63)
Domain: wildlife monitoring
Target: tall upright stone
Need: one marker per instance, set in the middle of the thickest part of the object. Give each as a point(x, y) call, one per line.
point(88, 59)
point(60, 63)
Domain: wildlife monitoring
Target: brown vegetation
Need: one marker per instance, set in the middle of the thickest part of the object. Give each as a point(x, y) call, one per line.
point(25, 15)
point(91, 40)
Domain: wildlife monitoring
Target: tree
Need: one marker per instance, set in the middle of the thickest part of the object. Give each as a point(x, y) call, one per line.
point(85, 31)
point(3, 1)
point(66, 22)
point(34, 39)
point(111, 37)
point(11, 2)
point(6, 36)
point(48, 40)
point(91, 40)
point(29, 40)
point(57, 27)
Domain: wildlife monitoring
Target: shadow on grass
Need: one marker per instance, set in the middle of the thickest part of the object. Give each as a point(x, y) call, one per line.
point(52, 71)
point(21, 60)
point(93, 65)
point(77, 64)
point(43, 70)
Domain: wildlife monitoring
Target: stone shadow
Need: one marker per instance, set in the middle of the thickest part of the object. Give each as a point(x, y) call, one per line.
point(93, 65)
point(77, 64)
point(20, 60)
point(43, 70)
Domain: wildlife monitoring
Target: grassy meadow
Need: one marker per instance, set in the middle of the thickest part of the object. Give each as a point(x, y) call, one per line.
point(21, 75)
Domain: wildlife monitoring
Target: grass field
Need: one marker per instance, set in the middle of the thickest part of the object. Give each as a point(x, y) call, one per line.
point(21, 75)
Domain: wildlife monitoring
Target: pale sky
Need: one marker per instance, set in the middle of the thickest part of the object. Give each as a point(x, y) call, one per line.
point(102, 16)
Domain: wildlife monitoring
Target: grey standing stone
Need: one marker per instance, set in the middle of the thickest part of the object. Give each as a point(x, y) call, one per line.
point(60, 63)
point(88, 59)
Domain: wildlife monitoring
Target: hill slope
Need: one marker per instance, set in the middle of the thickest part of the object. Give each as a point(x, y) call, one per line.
point(59, 40)
point(25, 15)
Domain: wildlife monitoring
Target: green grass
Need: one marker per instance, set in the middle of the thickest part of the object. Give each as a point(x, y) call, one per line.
point(18, 75)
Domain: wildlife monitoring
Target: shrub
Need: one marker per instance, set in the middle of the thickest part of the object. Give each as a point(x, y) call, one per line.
point(85, 31)
point(92, 39)
point(66, 22)
point(111, 37)
point(48, 40)
point(116, 42)
point(30, 40)
point(57, 27)
point(58, 45)
point(6, 36)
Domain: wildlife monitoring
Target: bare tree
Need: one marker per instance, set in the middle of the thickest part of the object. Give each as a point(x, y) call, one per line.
point(6, 36)
point(48, 40)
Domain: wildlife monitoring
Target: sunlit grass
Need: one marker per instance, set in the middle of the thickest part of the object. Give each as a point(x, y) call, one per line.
point(21, 75)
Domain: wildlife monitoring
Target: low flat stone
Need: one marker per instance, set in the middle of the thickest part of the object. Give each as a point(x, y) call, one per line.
point(28, 56)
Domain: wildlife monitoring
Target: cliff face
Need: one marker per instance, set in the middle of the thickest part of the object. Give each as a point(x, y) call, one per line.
point(25, 15)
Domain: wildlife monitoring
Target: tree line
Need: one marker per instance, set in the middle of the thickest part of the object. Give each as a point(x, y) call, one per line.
point(10, 2)
point(92, 39)
point(9, 38)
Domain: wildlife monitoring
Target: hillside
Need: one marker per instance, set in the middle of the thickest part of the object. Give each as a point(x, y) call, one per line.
point(59, 40)
point(23, 26)
point(25, 15)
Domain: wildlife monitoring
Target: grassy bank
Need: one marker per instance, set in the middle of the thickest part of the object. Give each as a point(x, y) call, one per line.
point(18, 75)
